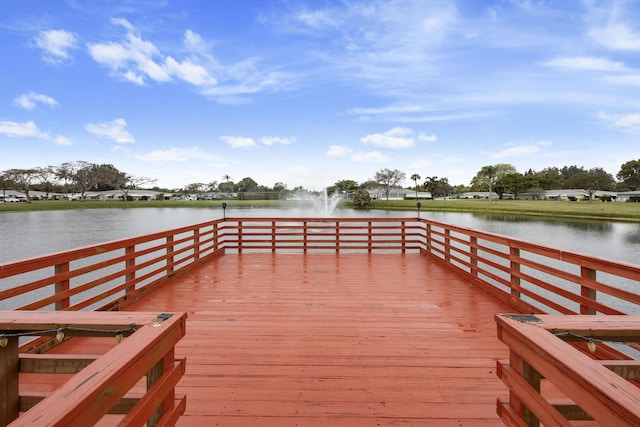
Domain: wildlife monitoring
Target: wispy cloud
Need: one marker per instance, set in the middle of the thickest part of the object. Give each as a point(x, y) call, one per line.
point(239, 141)
point(138, 61)
point(56, 45)
point(520, 150)
point(272, 140)
point(30, 130)
point(114, 130)
point(339, 151)
point(397, 138)
point(177, 155)
point(28, 101)
point(21, 130)
point(586, 63)
point(370, 157)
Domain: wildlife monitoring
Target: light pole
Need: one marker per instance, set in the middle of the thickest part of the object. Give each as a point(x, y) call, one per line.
point(419, 205)
point(224, 211)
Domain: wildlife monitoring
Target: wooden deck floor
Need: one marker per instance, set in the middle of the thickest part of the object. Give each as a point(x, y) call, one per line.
point(334, 340)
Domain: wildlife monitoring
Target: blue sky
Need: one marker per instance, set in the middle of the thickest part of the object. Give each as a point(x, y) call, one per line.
point(311, 92)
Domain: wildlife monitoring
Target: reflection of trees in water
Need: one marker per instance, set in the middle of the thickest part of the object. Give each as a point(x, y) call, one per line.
point(633, 237)
point(590, 225)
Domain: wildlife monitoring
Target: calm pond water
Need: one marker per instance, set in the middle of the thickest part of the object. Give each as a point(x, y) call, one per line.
point(29, 234)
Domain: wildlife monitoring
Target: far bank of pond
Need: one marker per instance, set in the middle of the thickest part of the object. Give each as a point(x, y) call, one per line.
point(616, 211)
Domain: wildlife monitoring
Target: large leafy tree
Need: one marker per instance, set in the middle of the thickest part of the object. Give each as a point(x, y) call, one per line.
point(488, 175)
point(246, 184)
point(85, 176)
point(22, 179)
point(514, 183)
point(591, 181)
point(129, 182)
point(548, 178)
point(388, 179)
point(630, 174)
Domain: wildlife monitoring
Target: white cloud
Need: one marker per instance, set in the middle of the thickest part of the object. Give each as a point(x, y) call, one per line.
point(30, 130)
point(396, 138)
point(56, 44)
point(21, 130)
point(370, 157)
point(29, 100)
point(586, 63)
point(239, 141)
point(628, 121)
point(616, 35)
point(427, 138)
point(114, 130)
point(271, 140)
point(338, 151)
point(138, 61)
point(521, 150)
point(62, 140)
point(628, 79)
point(170, 155)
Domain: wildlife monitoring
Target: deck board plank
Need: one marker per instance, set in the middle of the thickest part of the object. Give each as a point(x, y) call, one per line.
point(334, 339)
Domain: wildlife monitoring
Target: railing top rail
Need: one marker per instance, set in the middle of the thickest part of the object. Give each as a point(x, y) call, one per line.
point(538, 339)
point(560, 254)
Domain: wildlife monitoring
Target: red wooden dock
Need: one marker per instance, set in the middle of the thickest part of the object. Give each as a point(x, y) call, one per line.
point(339, 340)
point(320, 322)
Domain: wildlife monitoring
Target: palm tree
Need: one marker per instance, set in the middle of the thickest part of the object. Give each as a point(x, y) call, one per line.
point(415, 177)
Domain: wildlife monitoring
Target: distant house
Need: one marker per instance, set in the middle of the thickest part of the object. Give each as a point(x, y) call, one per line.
point(628, 195)
point(397, 194)
point(479, 195)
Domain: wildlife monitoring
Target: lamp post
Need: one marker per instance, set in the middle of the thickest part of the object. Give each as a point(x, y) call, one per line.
point(224, 211)
point(419, 205)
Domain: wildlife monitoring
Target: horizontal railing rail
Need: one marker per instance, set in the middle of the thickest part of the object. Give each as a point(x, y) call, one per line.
point(92, 386)
point(533, 277)
point(530, 277)
point(553, 382)
point(108, 275)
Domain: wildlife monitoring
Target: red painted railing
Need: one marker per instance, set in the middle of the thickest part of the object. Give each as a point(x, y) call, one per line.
point(554, 383)
point(531, 278)
point(92, 386)
point(528, 276)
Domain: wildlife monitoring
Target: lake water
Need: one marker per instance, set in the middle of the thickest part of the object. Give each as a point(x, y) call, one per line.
point(28, 234)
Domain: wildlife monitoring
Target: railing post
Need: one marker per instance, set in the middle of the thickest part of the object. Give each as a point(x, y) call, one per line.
point(196, 244)
point(370, 237)
point(337, 236)
point(403, 236)
point(533, 377)
point(473, 249)
point(163, 365)
point(215, 237)
point(305, 229)
point(428, 237)
point(130, 264)
point(515, 267)
point(530, 375)
point(588, 292)
point(273, 236)
point(9, 394)
point(447, 245)
point(170, 249)
point(239, 237)
point(62, 286)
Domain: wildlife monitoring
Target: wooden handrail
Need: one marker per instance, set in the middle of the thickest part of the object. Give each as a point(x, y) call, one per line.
point(101, 384)
point(528, 276)
point(541, 361)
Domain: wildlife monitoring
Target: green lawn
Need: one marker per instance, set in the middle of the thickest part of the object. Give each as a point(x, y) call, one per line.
point(599, 210)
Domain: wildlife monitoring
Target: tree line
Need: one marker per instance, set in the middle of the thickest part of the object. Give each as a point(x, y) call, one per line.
point(81, 176)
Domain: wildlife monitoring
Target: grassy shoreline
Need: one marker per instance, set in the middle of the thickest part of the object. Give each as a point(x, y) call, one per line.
point(610, 211)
